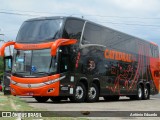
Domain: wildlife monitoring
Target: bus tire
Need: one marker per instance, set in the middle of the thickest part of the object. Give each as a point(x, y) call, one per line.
point(80, 93)
point(56, 99)
point(139, 92)
point(93, 93)
point(41, 99)
point(146, 94)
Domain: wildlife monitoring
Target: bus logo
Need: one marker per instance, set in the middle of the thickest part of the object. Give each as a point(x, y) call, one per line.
point(116, 55)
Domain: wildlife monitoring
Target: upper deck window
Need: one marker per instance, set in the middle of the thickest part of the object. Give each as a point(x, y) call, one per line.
point(39, 30)
point(92, 34)
point(73, 29)
point(154, 51)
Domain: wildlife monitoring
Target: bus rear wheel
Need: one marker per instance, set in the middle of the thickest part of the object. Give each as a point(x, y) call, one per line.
point(139, 92)
point(41, 99)
point(80, 93)
point(139, 95)
point(93, 93)
point(146, 94)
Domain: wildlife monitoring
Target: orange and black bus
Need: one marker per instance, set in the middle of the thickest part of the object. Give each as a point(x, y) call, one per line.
point(68, 57)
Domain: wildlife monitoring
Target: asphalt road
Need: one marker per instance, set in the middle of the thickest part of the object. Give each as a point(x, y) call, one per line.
point(124, 104)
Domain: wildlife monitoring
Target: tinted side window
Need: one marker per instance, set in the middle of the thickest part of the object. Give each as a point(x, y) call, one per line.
point(116, 41)
point(154, 51)
point(73, 29)
point(92, 34)
point(130, 45)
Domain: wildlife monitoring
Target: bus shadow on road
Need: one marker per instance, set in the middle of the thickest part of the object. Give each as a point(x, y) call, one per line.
point(32, 100)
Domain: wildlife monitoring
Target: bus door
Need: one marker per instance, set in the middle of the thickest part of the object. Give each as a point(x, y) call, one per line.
point(64, 70)
point(7, 74)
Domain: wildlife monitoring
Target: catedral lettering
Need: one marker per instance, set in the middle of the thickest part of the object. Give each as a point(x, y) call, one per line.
point(66, 57)
point(116, 55)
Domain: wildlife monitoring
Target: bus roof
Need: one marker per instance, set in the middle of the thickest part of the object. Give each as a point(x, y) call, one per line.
point(54, 17)
point(70, 17)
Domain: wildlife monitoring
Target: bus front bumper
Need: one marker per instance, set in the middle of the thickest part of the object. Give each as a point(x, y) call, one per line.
point(44, 86)
point(46, 90)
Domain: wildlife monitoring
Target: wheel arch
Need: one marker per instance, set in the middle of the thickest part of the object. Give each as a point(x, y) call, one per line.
point(84, 81)
point(148, 86)
point(97, 82)
point(141, 84)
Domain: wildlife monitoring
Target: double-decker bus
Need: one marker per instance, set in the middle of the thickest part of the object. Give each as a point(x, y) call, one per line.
point(68, 57)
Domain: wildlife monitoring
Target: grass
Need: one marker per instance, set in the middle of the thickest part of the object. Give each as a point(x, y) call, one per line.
point(12, 103)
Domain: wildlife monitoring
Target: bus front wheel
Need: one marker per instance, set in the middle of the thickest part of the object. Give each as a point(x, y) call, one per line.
point(56, 99)
point(80, 93)
point(41, 99)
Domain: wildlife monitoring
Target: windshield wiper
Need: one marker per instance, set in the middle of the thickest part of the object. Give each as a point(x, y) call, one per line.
point(19, 72)
point(40, 73)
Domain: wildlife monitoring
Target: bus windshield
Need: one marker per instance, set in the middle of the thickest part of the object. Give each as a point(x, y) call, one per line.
point(33, 63)
point(39, 30)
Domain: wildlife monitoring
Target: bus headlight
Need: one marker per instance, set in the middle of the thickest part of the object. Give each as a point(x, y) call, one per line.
point(48, 82)
point(54, 80)
point(13, 82)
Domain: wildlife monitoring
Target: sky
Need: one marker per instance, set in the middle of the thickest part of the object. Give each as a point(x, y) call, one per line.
point(139, 18)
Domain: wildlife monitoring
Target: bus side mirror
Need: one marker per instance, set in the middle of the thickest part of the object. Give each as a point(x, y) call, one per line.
point(61, 42)
point(2, 49)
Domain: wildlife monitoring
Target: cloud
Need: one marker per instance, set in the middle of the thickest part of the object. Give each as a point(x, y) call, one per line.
point(105, 12)
point(137, 5)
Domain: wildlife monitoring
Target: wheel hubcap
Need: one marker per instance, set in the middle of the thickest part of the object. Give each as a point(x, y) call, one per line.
point(92, 93)
point(139, 92)
point(146, 92)
point(79, 92)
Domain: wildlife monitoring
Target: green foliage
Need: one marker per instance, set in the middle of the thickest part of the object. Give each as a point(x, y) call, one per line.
point(1, 69)
point(1, 65)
